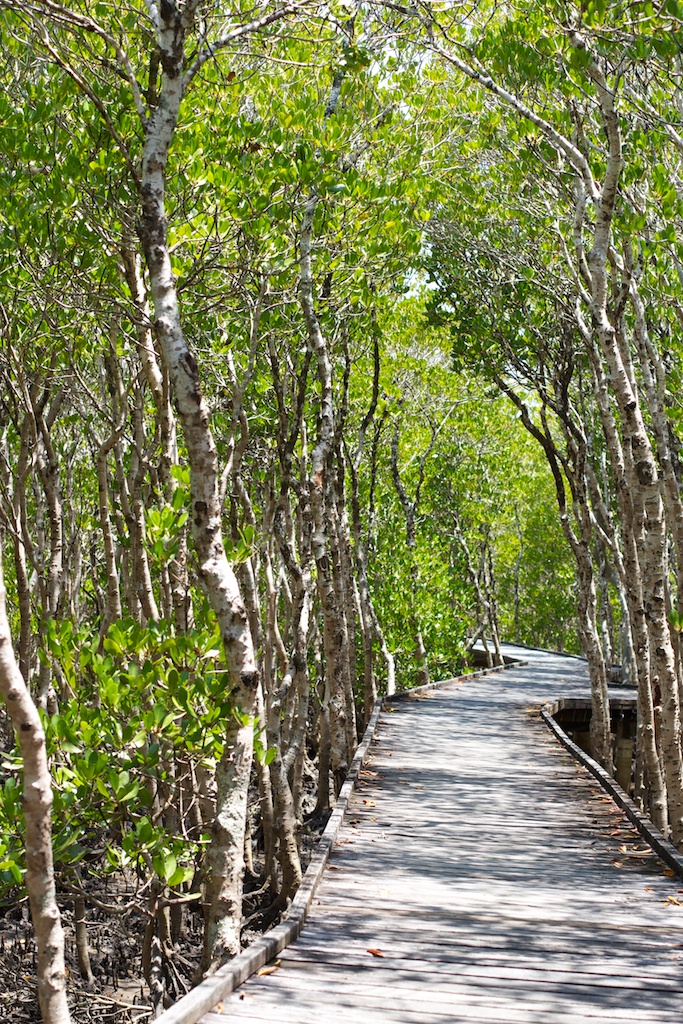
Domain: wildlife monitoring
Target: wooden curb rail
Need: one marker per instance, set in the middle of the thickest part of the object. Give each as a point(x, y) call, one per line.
point(226, 979)
point(666, 850)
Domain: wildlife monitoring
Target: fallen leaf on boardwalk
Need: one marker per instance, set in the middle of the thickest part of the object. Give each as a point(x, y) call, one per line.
point(267, 970)
point(669, 872)
point(375, 952)
point(672, 899)
point(219, 1007)
point(648, 888)
point(617, 864)
point(370, 803)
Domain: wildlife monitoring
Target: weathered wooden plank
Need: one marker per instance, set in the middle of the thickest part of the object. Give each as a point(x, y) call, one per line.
point(375, 970)
point(334, 994)
point(512, 939)
point(481, 863)
point(650, 974)
point(578, 917)
point(303, 1013)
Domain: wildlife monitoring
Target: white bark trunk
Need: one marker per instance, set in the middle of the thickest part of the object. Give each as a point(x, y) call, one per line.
point(225, 856)
point(37, 804)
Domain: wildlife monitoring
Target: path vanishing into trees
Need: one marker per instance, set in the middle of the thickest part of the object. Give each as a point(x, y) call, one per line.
point(493, 875)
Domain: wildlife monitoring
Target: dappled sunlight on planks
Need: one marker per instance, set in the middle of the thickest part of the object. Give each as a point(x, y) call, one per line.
point(490, 876)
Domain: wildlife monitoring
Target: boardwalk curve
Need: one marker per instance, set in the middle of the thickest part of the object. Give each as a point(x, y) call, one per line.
point(489, 873)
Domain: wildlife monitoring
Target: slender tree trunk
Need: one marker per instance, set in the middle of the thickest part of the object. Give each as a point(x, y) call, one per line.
point(37, 805)
point(113, 606)
point(410, 509)
point(335, 639)
point(225, 855)
point(632, 530)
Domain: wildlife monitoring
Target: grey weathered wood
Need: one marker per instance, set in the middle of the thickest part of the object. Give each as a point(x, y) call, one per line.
point(214, 988)
point(666, 850)
point(227, 978)
point(490, 870)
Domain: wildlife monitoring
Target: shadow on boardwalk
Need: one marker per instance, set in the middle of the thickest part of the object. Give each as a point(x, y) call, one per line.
point(490, 875)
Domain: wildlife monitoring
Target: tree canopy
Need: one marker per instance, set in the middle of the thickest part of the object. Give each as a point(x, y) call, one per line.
point(335, 338)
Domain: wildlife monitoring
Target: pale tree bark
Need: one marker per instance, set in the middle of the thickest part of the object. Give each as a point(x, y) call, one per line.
point(518, 564)
point(330, 550)
point(361, 586)
point(15, 513)
point(37, 805)
point(290, 685)
point(632, 528)
point(580, 544)
point(645, 481)
point(42, 406)
point(335, 638)
point(478, 579)
point(387, 656)
point(410, 509)
point(143, 601)
point(112, 610)
point(225, 856)
point(654, 381)
point(592, 282)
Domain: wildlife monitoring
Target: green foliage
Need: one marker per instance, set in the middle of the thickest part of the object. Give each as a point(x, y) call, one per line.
point(487, 471)
point(148, 700)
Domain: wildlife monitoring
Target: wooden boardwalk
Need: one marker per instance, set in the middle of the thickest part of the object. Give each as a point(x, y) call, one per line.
point(490, 875)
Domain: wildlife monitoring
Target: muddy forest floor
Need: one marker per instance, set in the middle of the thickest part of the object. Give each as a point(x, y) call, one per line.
point(120, 994)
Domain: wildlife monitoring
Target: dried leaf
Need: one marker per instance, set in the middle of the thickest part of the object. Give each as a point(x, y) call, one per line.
point(270, 969)
point(635, 852)
point(672, 899)
point(669, 872)
point(617, 864)
point(375, 952)
point(370, 803)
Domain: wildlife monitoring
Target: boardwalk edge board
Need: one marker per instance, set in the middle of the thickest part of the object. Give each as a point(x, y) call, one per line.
point(666, 850)
point(204, 997)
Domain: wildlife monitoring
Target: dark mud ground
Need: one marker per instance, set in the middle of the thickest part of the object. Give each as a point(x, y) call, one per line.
point(120, 994)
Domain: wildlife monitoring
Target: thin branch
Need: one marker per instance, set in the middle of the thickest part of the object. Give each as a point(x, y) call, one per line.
point(73, 20)
point(241, 30)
